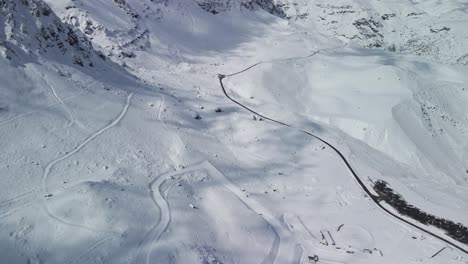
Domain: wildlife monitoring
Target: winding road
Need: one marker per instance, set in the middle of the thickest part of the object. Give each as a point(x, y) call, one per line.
point(358, 179)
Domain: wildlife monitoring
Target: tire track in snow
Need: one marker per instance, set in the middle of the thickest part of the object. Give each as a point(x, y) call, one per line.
point(145, 247)
point(286, 243)
point(361, 184)
point(283, 247)
point(49, 167)
point(160, 200)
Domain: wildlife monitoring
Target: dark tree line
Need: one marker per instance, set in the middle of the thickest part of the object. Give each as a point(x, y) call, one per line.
point(454, 230)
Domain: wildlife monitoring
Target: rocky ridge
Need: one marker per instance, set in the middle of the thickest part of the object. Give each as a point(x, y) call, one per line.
point(30, 27)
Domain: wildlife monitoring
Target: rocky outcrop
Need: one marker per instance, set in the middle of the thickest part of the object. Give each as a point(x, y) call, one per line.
point(370, 29)
point(372, 26)
point(31, 27)
point(271, 6)
point(215, 7)
point(219, 6)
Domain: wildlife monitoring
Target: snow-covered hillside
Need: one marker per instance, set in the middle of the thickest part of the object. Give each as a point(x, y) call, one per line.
point(433, 29)
point(119, 144)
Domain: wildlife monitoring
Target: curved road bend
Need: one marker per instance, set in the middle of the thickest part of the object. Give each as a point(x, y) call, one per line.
point(373, 197)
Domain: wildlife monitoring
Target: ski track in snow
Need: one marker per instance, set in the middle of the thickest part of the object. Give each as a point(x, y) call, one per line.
point(70, 112)
point(160, 112)
point(286, 245)
point(159, 198)
point(15, 204)
point(307, 229)
point(16, 198)
point(298, 253)
point(283, 250)
point(92, 247)
point(13, 118)
point(33, 112)
point(49, 167)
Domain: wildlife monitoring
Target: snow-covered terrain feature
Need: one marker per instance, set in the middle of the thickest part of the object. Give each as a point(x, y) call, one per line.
point(118, 144)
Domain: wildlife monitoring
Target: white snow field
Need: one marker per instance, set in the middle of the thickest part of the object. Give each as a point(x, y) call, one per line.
point(118, 144)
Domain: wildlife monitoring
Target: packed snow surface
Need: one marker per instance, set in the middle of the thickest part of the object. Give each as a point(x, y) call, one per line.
point(118, 144)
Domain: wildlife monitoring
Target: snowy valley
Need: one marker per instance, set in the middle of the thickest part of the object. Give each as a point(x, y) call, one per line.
point(233, 131)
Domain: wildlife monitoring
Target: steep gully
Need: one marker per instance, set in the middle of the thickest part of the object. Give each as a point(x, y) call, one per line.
point(375, 198)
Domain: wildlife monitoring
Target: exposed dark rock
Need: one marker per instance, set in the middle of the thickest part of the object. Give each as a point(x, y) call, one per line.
point(31, 26)
point(388, 16)
point(270, 6)
point(370, 29)
point(267, 5)
point(439, 29)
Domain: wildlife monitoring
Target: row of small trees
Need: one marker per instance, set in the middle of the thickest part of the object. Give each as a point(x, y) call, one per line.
point(454, 230)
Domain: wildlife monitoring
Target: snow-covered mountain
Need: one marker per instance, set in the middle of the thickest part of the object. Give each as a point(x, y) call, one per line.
point(420, 28)
point(31, 28)
point(336, 132)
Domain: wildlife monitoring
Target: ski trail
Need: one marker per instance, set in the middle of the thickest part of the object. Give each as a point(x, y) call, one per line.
point(13, 205)
point(307, 229)
point(71, 114)
point(160, 112)
point(165, 219)
point(49, 167)
point(16, 203)
point(33, 112)
point(270, 258)
point(286, 244)
point(13, 210)
point(16, 198)
point(175, 135)
point(160, 200)
point(13, 118)
point(89, 249)
point(298, 253)
point(299, 230)
point(282, 249)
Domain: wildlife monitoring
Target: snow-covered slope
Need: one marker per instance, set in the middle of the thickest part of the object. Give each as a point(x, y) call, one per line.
point(433, 29)
point(420, 125)
point(119, 145)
